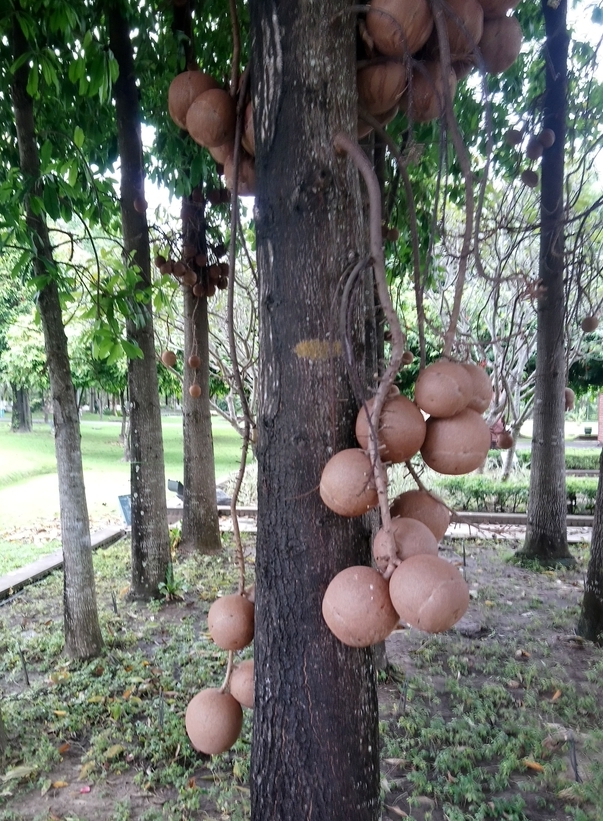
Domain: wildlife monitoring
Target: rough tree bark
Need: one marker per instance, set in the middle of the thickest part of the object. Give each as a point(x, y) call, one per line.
point(150, 534)
point(82, 631)
point(546, 534)
point(590, 623)
point(21, 414)
point(315, 738)
point(200, 527)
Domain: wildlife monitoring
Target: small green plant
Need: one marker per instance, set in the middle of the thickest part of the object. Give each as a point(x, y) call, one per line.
point(172, 588)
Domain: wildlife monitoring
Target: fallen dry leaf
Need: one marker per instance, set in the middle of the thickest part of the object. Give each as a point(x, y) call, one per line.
point(64, 748)
point(58, 785)
point(556, 695)
point(396, 811)
point(533, 765)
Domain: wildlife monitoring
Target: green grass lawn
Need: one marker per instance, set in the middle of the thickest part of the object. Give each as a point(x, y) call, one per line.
point(28, 483)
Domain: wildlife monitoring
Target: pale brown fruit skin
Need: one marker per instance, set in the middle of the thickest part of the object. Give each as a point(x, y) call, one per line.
point(500, 44)
point(411, 537)
point(482, 387)
point(184, 89)
point(346, 485)
point(241, 683)
point(211, 118)
point(457, 444)
point(246, 178)
point(194, 361)
point(570, 399)
point(399, 27)
point(504, 440)
point(429, 593)
point(464, 25)
point(195, 391)
point(443, 388)
point(248, 136)
point(401, 432)
point(357, 608)
point(423, 100)
point(380, 86)
point(421, 505)
point(169, 359)
point(213, 721)
point(230, 622)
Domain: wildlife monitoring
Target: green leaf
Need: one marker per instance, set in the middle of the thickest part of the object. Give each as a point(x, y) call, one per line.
point(115, 353)
point(51, 201)
point(78, 136)
point(45, 155)
point(33, 81)
point(131, 350)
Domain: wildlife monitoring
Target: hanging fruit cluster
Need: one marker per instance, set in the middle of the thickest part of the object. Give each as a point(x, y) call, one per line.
point(197, 104)
point(214, 717)
point(535, 148)
point(479, 34)
point(362, 605)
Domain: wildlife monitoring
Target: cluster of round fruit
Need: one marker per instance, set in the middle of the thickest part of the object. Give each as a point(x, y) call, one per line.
point(362, 605)
point(479, 33)
point(197, 104)
point(214, 717)
point(193, 271)
point(535, 148)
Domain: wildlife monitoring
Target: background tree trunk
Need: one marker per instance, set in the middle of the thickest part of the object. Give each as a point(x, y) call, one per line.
point(150, 533)
point(82, 631)
point(21, 415)
point(315, 740)
point(590, 623)
point(546, 534)
point(200, 527)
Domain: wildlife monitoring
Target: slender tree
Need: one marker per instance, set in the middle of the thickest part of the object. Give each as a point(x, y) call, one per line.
point(315, 744)
point(150, 535)
point(546, 534)
point(82, 631)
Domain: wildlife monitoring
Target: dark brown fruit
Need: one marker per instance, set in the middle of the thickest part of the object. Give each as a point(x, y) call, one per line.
point(159, 261)
point(534, 149)
point(194, 361)
point(529, 178)
point(546, 137)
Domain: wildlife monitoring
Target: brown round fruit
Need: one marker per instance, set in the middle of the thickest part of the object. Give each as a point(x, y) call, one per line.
point(513, 137)
point(347, 485)
point(211, 119)
point(408, 358)
point(169, 359)
point(213, 721)
point(159, 261)
point(246, 178)
point(570, 399)
point(357, 608)
point(195, 390)
point(429, 593)
point(241, 683)
point(401, 430)
point(504, 440)
point(534, 149)
point(230, 622)
point(189, 278)
point(482, 387)
point(443, 388)
point(456, 445)
point(529, 178)
point(464, 25)
point(380, 86)
point(423, 100)
point(421, 505)
point(194, 361)
point(220, 153)
point(179, 269)
point(184, 89)
point(410, 536)
point(399, 27)
point(500, 44)
point(546, 137)
point(140, 205)
point(589, 324)
point(199, 289)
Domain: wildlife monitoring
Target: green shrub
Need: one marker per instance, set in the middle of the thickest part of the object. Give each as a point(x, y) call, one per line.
point(575, 458)
point(486, 493)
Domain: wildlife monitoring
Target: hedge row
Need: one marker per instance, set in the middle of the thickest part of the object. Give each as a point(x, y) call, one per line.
point(486, 494)
point(575, 458)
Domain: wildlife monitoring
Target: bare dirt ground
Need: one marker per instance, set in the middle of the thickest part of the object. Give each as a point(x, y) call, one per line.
point(500, 718)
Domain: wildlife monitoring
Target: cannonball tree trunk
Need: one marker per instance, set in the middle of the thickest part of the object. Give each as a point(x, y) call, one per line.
point(590, 624)
point(150, 535)
point(315, 736)
point(546, 535)
point(82, 630)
